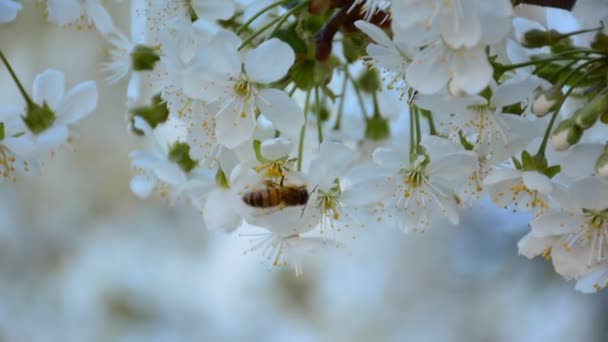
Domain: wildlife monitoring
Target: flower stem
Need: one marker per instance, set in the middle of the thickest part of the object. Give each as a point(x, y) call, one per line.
point(341, 104)
point(303, 132)
point(278, 20)
point(358, 93)
point(258, 14)
point(417, 122)
point(25, 95)
point(318, 111)
point(543, 145)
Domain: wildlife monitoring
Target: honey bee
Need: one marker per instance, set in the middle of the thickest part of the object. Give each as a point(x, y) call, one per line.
point(277, 195)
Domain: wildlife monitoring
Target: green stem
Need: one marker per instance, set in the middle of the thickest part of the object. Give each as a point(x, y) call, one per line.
point(341, 104)
point(303, 132)
point(539, 61)
point(411, 133)
point(376, 105)
point(358, 93)
point(417, 122)
point(543, 145)
point(429, 117)
point(280, 20)
point(284, 18)
point(318, 110)
point(25, 95)
point(582, 31)
point(258, 14)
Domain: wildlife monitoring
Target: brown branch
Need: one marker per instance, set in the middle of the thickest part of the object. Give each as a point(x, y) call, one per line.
point(563, 4)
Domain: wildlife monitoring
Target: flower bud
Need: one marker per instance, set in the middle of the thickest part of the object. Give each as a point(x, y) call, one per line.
point(601, 166)
point(369, 81)
point(586, 116)
point(566, 134)
point(546, 101)
point(377, 128)
point(600, 42)
point(538, 38)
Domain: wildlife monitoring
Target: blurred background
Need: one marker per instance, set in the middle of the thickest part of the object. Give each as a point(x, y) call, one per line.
point(82, 259)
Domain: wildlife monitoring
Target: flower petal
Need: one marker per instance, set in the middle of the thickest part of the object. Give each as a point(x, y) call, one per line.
point(276, 148)
point(9, 10)
point(100, 16)
point(54, 136)
point(269, 61)
point(531, 246)
point(141, 186)
point(234, 125)
point(79, 102)
point(218, 213)
point(557, 223)
point(63, 12)
point(48, 87)
point(428, 73)
point(537, 181)
point(281, 110)
point(472, 71)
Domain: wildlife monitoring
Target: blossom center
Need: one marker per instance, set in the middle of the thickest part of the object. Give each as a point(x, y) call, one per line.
point(242, 88)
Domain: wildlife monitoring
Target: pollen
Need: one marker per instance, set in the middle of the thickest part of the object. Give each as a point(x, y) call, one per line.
point(242, 88)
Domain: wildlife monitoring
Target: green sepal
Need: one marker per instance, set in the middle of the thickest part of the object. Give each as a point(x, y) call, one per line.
point(179, 153)
point(464, 142)
point(551, 171)
point(38, 119)
point(154, 114)
point(221, 180)
point(377, 128)
point(527, 161)
point(144, 58)
point(516, 162)
point(258, 152)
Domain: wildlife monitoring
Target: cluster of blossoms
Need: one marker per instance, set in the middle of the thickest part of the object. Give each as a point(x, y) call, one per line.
point(306, 120)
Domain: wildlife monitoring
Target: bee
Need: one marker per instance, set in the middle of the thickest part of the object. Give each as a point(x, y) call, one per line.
point(277, 195)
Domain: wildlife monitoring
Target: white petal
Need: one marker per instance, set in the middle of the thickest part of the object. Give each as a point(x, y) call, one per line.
point(593, 281)
point(537, 181)
point(218, 213)
point(9, 10)
point(590, 193)
point(468, 33)
point(428, 73)
point(48, 87)
point(455, 167)
point(501, 175)
point(557, 223)
point(512, 92)
point(530, 246)
point(270, 61)
point(141, 186)
point(374, 32)
point(79, 102)
point(63, 12)
point(213, 9)
point(571, 264)
point(281, 110)
point(276, 148)
point(100, 16)
point(390, 159)
point(54, 136)
point(579, 161)
point(472, 70)
point(234, 125)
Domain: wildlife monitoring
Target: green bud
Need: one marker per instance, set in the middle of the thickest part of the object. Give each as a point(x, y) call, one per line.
point(154, 114)
point(586, 116)
point(601, 166)
point(179, 153)
point(310, 73)
point(377, 128)
point(538, 38)
point(38, 119)
point(144, 58)
point(2, 131)
point(566, 134)
point(353, 46)
point(369, 81)
point(546, 101)
point(600, 42)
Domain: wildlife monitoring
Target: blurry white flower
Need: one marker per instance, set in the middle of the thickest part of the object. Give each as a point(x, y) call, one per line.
point(64, 12)
point(16, 149)
point(9, 10)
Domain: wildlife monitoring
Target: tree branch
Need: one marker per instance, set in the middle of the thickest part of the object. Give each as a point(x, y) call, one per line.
point(563, 4)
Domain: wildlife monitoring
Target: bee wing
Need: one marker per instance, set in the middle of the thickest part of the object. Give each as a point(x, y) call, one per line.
point(268, 211)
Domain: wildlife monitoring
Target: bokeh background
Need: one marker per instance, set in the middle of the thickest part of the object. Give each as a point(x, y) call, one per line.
point(82, 259)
